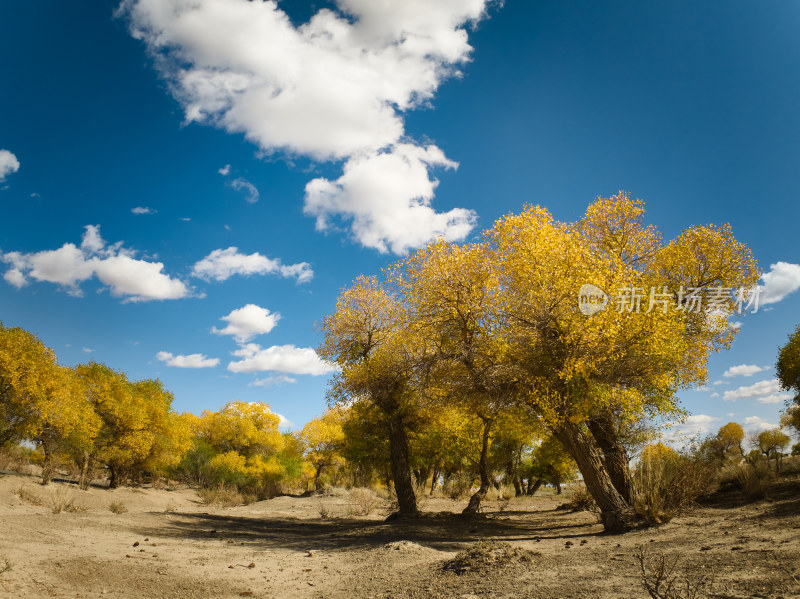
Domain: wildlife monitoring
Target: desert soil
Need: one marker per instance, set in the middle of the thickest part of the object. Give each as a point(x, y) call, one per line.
point(169, 545)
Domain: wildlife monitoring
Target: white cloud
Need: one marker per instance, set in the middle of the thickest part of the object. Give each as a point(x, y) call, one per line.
point(696, 424)
point(782, 279)
point(276, 380)
point(334, 88)
point(251, 191)
point(8, 164)
point(743, 370)
point(221, 264)
point(754, 424)
point(88, 350)
point(774, 398)
point(280, 358)
point(386, 198)
point(716, 383)
point(113, 265)
point(247, 322)
point(225, 170)
point(190, 361)
point(755, 390)
point(715, 394)
point(143, 210)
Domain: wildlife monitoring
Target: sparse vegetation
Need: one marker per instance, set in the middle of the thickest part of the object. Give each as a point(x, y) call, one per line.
point(221, 496)
point(117, 507)
point(662, 580)
point(362, 501)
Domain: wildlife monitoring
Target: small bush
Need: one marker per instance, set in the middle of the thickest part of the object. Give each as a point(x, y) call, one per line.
point(661, 580)
point(221, 496)
point(62, 499)
point(117, 507)
point(581, 501)
point(362, 501)
point(5, 565)
point(323, 511)
point(754, 479)
point(458, 486)
point(171, 507)
point(665, 481)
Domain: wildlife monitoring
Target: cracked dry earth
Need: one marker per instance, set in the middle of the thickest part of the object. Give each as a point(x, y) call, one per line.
point(168, 545)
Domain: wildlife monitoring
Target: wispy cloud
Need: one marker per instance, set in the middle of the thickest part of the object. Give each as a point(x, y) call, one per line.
point(189, 361)
point(143, 210)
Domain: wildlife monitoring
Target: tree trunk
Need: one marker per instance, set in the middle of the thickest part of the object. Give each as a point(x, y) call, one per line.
point(47, 465)
point(86, 467)
point(316, 476)
point(475, 501)
point(517, 486)
point(615, 456)
point(533, 485)
point(557, 485)
point(614, 510)
point(434, 480)
point(401, 470)
point(113, 481)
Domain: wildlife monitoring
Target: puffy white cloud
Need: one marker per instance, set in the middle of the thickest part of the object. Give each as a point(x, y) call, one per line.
point(755, 424)
point(8, 164)
point(138, 280)
point(774, 398)
point(743, 370)
point(143, 210)
point(696, 424)
point(225, 170)
point(280, 358)
point(221, 264)
point(247, 322)
point(386, 197)
point(113, 265)
point(782, 279)
point(190, 361)
point(755, 390)
point(333, 88)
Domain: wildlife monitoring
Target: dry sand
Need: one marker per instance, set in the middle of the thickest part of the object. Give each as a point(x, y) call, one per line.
point(169, 545)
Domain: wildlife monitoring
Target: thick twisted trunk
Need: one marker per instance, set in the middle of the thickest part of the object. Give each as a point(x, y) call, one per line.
point(614, 453)
point(614, 510)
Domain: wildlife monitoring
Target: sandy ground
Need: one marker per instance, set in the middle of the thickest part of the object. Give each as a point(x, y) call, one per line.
point(168, 544)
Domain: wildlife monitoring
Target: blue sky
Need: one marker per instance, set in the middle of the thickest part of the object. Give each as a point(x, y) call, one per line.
point(321, 140)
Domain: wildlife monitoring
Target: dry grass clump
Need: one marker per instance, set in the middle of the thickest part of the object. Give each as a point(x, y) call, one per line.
point(221, 496)
point(581, 501)
point(665, 481)
point(117, 507)
point(362, 501)
point(488, 555)
point(62, 499)
point(754, 479)
point(5, 565)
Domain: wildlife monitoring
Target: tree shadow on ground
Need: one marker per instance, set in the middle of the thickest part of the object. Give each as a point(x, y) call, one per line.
point(444, 532)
